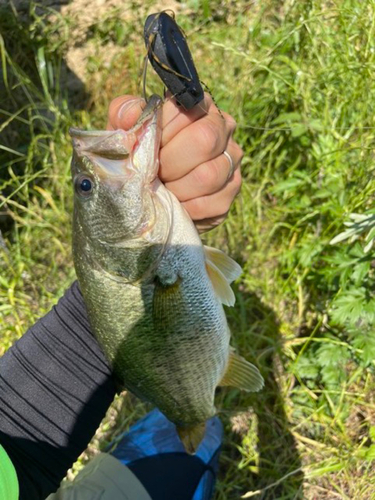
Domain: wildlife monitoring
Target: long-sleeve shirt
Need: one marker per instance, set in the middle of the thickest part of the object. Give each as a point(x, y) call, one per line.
point(55, 388)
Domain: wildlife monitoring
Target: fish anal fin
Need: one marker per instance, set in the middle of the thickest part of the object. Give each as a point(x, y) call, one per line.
point(242, 374)
point(191, 436)
point(226, 265)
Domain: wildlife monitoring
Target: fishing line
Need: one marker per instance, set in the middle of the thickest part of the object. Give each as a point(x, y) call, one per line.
point(290, 129)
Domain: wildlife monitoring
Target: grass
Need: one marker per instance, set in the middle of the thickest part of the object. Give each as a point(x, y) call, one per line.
point(299, 79)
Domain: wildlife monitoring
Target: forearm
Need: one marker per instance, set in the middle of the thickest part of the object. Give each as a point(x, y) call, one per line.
point(55, 387)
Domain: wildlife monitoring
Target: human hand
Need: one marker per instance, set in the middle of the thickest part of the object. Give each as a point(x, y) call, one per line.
point(192, 163)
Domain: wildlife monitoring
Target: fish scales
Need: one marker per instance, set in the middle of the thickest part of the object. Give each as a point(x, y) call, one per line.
point(154, 295)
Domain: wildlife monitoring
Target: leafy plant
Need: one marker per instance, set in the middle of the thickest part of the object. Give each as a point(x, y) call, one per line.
point(360, 224)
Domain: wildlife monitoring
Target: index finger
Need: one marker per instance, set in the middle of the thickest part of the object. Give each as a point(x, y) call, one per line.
point(176, 118)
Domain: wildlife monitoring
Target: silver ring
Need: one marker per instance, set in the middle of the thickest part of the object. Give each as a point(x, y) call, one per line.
point(231, 164)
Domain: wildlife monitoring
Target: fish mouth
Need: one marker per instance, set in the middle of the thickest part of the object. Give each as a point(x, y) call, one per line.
point(152, 106)
point(114, 153)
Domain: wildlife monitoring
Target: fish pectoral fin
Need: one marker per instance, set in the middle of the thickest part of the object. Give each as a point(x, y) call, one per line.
point(242, 374)
point(222, 270)
point(227, 266)
point(221, 286)
point(191, 436)
point(167, 298)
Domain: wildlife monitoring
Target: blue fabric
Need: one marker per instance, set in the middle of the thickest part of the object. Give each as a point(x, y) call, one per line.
point(155, 436)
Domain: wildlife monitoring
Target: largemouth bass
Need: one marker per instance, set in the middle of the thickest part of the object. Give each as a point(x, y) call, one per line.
point(154, 294)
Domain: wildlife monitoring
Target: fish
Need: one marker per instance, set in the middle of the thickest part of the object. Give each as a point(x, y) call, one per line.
point(154, 293)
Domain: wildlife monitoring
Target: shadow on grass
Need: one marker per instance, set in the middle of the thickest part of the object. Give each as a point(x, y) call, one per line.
point(276, 474)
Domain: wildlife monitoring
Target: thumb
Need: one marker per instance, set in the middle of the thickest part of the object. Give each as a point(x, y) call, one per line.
point(124, 111)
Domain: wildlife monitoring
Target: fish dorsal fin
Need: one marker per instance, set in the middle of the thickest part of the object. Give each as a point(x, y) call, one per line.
point(242, 374)
point(222, 270)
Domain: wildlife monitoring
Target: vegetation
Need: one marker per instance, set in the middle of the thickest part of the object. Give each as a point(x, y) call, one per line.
point(299, 78)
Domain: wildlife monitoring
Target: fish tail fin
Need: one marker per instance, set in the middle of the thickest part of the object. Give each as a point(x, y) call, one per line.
point(191, 436)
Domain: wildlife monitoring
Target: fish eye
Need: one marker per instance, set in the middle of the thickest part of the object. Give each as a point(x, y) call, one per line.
point(84, 184)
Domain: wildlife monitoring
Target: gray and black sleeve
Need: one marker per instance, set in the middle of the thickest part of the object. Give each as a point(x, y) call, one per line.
point(55, 388)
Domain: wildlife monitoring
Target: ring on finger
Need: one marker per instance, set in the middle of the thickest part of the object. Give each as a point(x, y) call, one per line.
point(231, 164)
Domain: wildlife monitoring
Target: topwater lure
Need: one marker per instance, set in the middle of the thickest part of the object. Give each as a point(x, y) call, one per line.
point(169, 54)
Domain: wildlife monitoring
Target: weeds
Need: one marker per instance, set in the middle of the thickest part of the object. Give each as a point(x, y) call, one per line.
point(298, 77)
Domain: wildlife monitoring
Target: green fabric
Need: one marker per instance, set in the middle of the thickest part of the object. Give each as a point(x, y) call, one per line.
point(8, 477)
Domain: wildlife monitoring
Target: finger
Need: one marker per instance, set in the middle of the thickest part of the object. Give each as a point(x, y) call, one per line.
point(176, 118)
point(209, 177)
point(124, 111)
point(217, 204)
point(208, 224)
point(198, 143)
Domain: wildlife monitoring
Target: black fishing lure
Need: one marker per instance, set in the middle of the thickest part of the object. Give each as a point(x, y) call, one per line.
point(169, 54)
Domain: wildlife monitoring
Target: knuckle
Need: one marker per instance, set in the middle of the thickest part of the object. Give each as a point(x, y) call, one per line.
point(230, 122)
point(209, 138)
point(238, 152)
point(227, 203)
point(217, 172)
point(237, 182)
point(201, 175)
point(208, 99)
point(207, 174)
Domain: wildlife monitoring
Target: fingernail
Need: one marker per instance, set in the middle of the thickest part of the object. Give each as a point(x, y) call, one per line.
point(124, 109)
